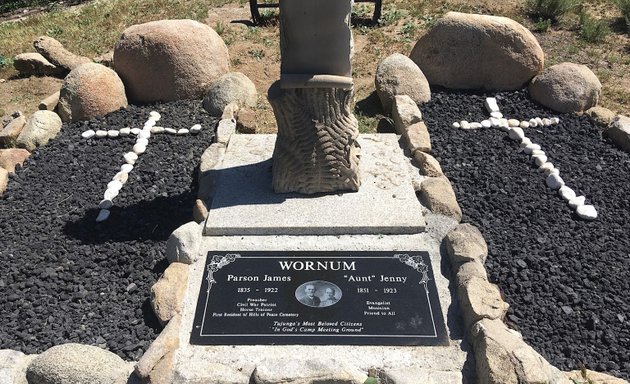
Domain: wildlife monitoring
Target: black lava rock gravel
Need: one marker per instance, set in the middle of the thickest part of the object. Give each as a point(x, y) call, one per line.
point(64, 277)
point(567, 280)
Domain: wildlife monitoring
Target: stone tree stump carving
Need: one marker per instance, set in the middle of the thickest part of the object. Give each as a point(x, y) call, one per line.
point(316, 148)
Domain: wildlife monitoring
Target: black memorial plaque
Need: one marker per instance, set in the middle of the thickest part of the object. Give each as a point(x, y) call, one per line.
point(352, 298)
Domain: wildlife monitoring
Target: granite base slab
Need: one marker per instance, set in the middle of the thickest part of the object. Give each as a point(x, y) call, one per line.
point(245, 203)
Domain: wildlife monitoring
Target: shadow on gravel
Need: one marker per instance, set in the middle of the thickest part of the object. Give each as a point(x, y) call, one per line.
point(145, 220)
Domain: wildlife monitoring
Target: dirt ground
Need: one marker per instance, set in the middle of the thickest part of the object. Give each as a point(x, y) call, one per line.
point(255, 52)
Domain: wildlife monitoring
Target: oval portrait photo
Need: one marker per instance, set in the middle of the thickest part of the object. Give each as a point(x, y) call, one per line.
point(318, 294)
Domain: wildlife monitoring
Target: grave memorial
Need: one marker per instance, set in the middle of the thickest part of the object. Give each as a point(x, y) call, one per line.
point(319, 298)
point(298, 263)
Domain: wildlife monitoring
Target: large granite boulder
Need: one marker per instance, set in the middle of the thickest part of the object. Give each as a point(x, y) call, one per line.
point(399, 75)
point(32, 63)
point(467, 51)
point(566, 87)
point(169, 60)
point(55, 52)
point(89, 91)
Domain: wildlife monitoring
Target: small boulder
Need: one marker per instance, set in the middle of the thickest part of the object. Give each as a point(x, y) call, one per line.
point(34, 64)
point(11, 157)
point(566, 87)
point(89, 91)
point(40, 128)
point(4, 180)
point(428, 165)
point(183, 244)
point(592, 377)
point(54, 51)
point(77, 363)
point(619, 132)
point(399, 75)
point(13, 364)
point(467, 51)
point(167, 295)
point(50, 103)
point(466, 243)
point(106, 59)
point(169, 60)
point(200, 211)
point(601, 116)
point(233, 87)
point(247, 121)
point(10, 133)
point(437, 195)
point(417, 137)
point(405, 112)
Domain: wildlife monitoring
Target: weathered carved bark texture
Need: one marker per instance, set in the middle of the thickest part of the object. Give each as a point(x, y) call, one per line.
point(316, 148)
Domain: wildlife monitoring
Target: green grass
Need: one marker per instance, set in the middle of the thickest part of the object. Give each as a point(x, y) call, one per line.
point(593, 30)
point(95, 27)
point(551, 10)
point(624, 8)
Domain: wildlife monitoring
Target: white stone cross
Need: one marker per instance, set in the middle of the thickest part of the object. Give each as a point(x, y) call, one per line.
point(142, 141)
point(514, 129)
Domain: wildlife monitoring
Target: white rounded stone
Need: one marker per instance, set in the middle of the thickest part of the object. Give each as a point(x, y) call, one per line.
point(456, 125)
point(529, 149)
point(586, 212)
point(516, 134)
point(525, 142)
point(157, 129)
point(139, 149)
point(102, 215)
point(491, 104)
point(100, 133)
point(539, 121)
point(553, 171)
point(524, 124)
point(546, 122)
point(539, 160)
point(130, 158)
point(115, 184)
point(475, 125)
point(144, 142)
point(538, 152)
point(125, 131)
point(149, 123)
point(555, 120)
point(495, 122)
point(496, 115)
point(486, 124)
point(144, 134)
point(533, 123)
point(113, 133)
point(126, 168)
point(196, 127)
point(546, 167)
point(464, 124)
point(513, 123)
point(154, 115)
point(121, 176)
point(88, 134)
point(110, 194)
point(105, 204)
point(172, 131)
point(554, 181)
point(135, 131)
point(576, 202)
point(567, 193)
point(182, 131)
